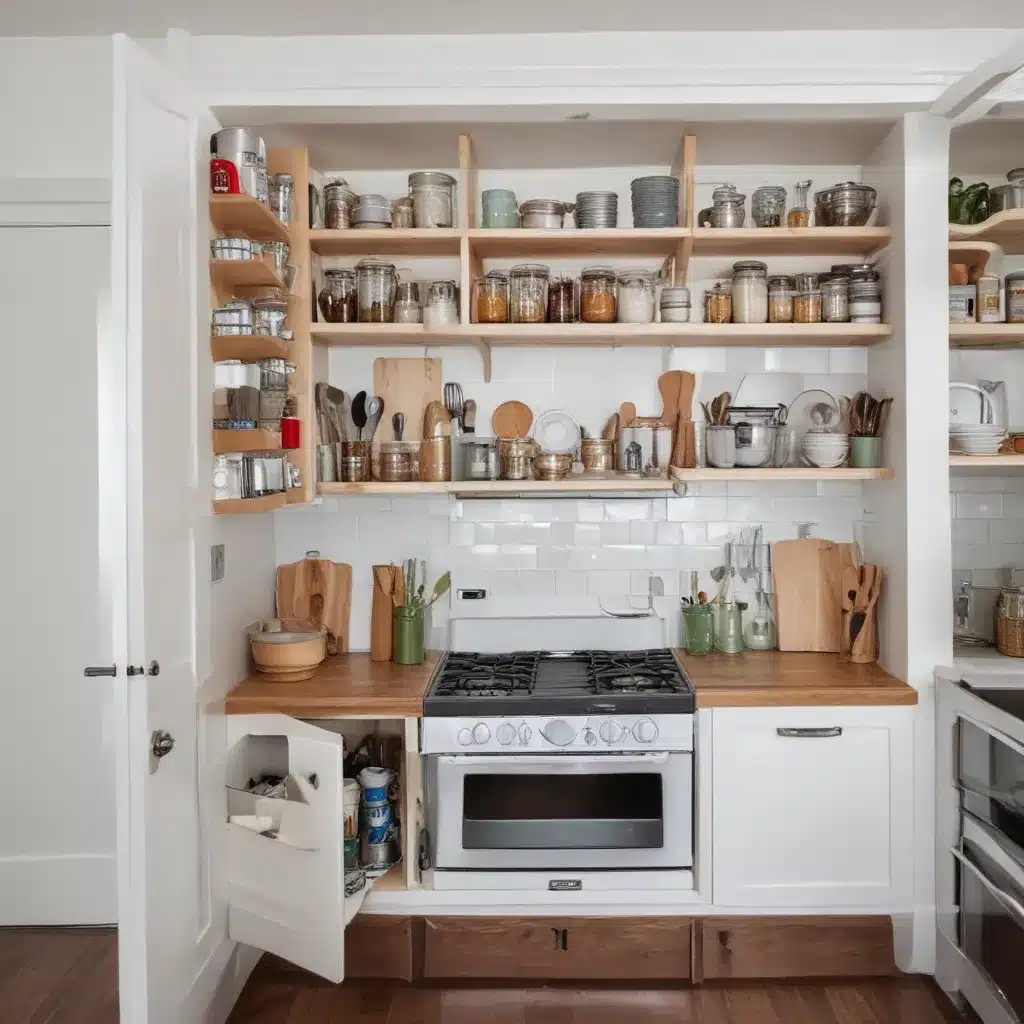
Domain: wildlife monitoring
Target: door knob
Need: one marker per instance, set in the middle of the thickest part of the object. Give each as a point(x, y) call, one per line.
point(162, 743)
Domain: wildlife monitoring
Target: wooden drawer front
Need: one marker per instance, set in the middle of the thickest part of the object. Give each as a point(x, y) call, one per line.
point(796, 947)
point(379, 946)
point(557, 948)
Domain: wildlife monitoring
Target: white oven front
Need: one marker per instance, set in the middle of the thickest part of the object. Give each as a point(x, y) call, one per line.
point(497, 812)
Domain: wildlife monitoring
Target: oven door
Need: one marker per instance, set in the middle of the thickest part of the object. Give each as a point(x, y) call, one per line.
point(586, 812)
point(990, 775)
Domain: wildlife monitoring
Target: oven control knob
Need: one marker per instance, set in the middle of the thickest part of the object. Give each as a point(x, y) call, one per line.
point(506, 734)
point(611, 732)
point(589, 738)
point(559, 732)
point(645, 731)
point(481, 734)
point(525, 732)
point(465, 737)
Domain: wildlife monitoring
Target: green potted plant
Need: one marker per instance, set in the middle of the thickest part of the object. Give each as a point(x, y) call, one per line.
point(408, 633)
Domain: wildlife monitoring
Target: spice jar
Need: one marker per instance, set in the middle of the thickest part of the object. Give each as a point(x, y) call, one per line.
point(807, 300)
point(675, 305)
point(490, 298)
point(780, 299)
point(799, 215)
point(749, 292)
point(835, 300)
point(528, 287)
point(597, 295)
point(407, 303)
point(718, 304)
point(402, 213)
point(337, 298)
point(499, 208)
point(338, 202)
point(442, 308)
point(636, 297)
point(767, 205)
point(280, 191)
point(432, 199)
point(376, 285)
point(562, 300)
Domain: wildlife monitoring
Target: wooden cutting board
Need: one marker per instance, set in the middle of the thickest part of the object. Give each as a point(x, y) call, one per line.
point(407, 386)
point(512, 419)
point(382, 613)
point(808, 577)
point(321, 590)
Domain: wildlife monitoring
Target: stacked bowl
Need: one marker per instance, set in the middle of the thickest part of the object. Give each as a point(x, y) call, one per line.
point(655, 201)
point(824, 449)
point(846, 205)
point(597, 210)
point(976, 438)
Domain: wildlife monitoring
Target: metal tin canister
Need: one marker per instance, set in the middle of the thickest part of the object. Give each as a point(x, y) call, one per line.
point(248, 152)
point(988, 299)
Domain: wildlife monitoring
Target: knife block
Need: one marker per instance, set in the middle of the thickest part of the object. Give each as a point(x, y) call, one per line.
point(860, 614)
point(382, 614)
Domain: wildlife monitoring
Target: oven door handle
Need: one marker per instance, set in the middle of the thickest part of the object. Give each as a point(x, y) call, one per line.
point(1012, 905)
point(996, 734)
point(558, 762)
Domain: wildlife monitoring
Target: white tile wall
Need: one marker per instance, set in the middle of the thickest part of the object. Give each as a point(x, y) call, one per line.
point(988, 528)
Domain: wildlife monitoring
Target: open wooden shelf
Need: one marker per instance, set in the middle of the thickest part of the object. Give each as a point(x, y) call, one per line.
point(226, 275)
point(986, 335)
point(381, 334)
point(1005, 229)
point(249, 348)
point(520, 243)
point(975, 255)
point(847, 473)
point(861, 242)
point(992, 465)
point(226, 441)
point(242, 215)
point(386, 241)
point(237, 506)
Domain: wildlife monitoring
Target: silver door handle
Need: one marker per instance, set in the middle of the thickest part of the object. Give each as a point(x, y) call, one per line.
point(162, 743)
point(1011, 905)
point(100, 670)
point(810, 733)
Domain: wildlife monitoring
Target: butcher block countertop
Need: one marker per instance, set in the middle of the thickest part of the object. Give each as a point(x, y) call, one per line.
point(348, 684)
point(757, 679)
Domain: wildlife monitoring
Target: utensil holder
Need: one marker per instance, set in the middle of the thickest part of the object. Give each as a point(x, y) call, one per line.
point(720, 446)
point(326, 468)
point(699, 628)
point(408, 635)
point(354, 463)
point(435, 461)
point(866, 452)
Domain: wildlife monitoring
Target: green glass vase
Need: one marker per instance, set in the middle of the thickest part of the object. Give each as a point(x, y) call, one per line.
point(408, 639)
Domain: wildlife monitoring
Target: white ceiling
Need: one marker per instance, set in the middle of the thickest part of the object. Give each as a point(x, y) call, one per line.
point(300, 17)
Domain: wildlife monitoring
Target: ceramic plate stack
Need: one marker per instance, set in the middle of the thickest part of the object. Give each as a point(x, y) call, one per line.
point(976, 438)
point(824, 449)
point(655, 201)
point(597, 210)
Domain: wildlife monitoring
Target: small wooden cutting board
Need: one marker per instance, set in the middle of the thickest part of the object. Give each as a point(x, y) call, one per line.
point(512, 419)
point(407, 386)
point(321, 590)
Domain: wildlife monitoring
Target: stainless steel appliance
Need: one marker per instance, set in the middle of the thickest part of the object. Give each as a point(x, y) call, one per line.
point(980, 865)
point(550, 767)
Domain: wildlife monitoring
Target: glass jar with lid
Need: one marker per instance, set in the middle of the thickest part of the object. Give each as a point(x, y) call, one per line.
point(339, 200)
point(799, 215)
point(407, 303)
point(442, 306)
point(376, 285)
point(269, 314)
point(597, 295)
point(835, 305)
point(727, 210)
point(402, 213)
point(280, 188)
point(337, 299)
point(636, 297)
point(718, 303)
point(675, 305)
point(865, 299)
point(767, 206)
point(807, 299)
point(528, 287)
point(780, 299)
point(490, 298)
point(433, 199)
point(563, 300)
point(749, 292)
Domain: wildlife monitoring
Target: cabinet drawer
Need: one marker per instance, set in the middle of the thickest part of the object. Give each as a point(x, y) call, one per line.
point(796, 947)
point(380, 946)
point(557, 948)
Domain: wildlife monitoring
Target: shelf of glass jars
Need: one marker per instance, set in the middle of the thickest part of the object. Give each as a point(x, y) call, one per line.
point(227, 441)
point(242, 215)
point(986, 335)
point(386, 241)
point(526, 243)
point(818, 241)
point(1005, 229)
point(241, 506)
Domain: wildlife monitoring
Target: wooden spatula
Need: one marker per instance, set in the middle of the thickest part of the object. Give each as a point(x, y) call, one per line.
point(611, 428)
point(627, 414)
point(668, 385)
point(434, 417)
point(512, 419)
point(850, 585)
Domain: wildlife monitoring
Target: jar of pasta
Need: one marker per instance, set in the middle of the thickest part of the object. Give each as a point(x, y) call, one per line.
point(780, 299)
point(597, 295)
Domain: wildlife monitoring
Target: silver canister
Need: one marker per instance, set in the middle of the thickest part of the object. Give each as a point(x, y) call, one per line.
point(515, 458)
point(232, 249)
point(338, 201)
point(248, 152)
point(235, 317)
point(280, 189)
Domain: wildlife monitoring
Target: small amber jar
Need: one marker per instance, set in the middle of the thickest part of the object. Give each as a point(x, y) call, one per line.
point(490, 298)
point(718, 304)
point(597, 295)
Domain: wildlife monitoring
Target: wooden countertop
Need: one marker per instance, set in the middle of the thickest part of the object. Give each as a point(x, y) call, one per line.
point(349, 684)
point(790, 679)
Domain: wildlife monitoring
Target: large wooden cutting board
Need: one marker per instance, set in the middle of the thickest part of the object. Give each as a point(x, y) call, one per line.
point(407, 386)
point(321, 590)
point(808, 577)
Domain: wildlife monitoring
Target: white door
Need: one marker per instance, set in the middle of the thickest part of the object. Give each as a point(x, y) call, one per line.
point(151, 381)
point(58, 840)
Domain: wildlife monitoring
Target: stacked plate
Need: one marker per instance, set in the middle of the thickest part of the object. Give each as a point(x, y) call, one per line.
point(824, 449)
point(655, 201)
point(597, 210)
point(976, 438)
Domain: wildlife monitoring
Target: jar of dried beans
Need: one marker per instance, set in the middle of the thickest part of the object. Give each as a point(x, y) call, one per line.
point(780, 299)
point(563, 295)
point(597, 295)
point(807, 299)
point(338, 297)
point(528, 286)
point(718, 303)
point(490, 298)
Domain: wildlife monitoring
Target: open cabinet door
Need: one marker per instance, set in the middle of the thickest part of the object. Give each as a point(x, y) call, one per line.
point(148, 401)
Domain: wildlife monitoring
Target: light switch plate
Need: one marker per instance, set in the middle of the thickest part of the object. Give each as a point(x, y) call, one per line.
point(216, 563)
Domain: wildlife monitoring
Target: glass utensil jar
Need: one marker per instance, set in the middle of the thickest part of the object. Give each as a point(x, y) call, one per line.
point(835, 300)
point(338, 297)
point(636, 297)
point(728, 628)
point(407, 303)
point(749, 292)
point(597, 295)
point(562, 300)
point(499, 208)
point(376, 285)
point(718, 304)
point(799, 215)
point(767, 205)
point(490, 298)
point(759, 629)
point(432, 199)
point(529, 293)
point(807, 299)
point(699, 628)
point(780, 300)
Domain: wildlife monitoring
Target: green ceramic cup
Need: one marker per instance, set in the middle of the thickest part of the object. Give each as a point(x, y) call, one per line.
point(866, 452)
point(408, 642)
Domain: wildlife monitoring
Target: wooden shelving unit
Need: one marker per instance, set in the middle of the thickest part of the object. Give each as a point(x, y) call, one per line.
point(610, 243)
point(992, 465)
point(387, 241)
point(227, 441)
point(238, 506)
point(230, 274)
point(1005, 229)
point(843, 473)
point(986, 335)
point(244, 216)
point(862, 242)
point(249, 348)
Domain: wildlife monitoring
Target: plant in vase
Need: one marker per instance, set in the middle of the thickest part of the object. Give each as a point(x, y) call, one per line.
point(408, 632)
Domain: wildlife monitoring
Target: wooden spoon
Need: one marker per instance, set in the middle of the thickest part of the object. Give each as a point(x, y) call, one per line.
point(611, 428)
point(434, 416)
point(627, 414)
point(512, 419)
point(687, 383)
point(668, 385)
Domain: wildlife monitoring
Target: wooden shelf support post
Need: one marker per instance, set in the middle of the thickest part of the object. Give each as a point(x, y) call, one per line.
point(685, 168)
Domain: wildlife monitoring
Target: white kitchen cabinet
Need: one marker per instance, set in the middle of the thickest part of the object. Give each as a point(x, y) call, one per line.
point(812, 807)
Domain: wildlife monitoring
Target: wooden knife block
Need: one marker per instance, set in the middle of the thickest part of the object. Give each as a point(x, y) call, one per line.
point(382, 614)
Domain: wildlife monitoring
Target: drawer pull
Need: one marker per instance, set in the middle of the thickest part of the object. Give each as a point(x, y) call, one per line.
point(808, 733)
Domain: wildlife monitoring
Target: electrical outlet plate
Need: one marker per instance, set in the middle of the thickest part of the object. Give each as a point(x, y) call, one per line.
point(216, 563)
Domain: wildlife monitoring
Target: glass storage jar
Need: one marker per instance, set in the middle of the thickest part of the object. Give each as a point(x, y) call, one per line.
point(597, 295)
point(807, 299)
point(699, 628)
point(718, 303)
point(799, 215)
point(280, 188)
point(442, 306)
point(376, 285)
point(675, 305)
point(338, 202)
point(499, 208)
point(636, 297)
point(780, 299)
point(767, 206)
point(865, 301)
point(563, 295)
point(433, 201)
point(338, 297)
point(402, 215)
point(728, 207)
point(728, 628)
point(528, 287)
point(749, 292)
point(835, 300)
point(269, 314)
point(407, 303)
point(490, 298)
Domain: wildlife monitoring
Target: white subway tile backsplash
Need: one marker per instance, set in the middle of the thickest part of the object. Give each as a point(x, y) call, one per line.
point(693, 533)
point(848, 360)
point(610, 556)
point(1012, 555)
point(569, 583)
point(994, 531)
point(460, 535)
point(979, 506)
point(1013, 506)
point(641, 532)
point(523, 533)
point(696, 510)
point(624, 509)
point(607, 584)
point(797, 360)
point(590, 510)
point(485, 533)
point(618, 533)
point(586, 534)
point(669, 533)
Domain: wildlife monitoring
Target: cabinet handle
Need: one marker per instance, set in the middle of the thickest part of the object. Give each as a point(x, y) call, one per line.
point(565, 940)
point(555, 932)
point(808, 733)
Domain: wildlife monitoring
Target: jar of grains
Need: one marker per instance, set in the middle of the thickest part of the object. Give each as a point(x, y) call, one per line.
point(563, 295)
point(339, 200)
point(780, 299)
point(636, 297)
point(835, 300)
point(718, 304)
point(407, 303)
point(490, 298)
point(528, 293)
point(749, 292)
point(807, 299)
point(376, 285)
point(433, 202)
point(597, 295)
point(988, 299)
point(338, 297)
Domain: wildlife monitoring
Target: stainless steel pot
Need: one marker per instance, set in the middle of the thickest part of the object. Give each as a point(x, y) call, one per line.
point(248, 152)
point(1005, 197)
